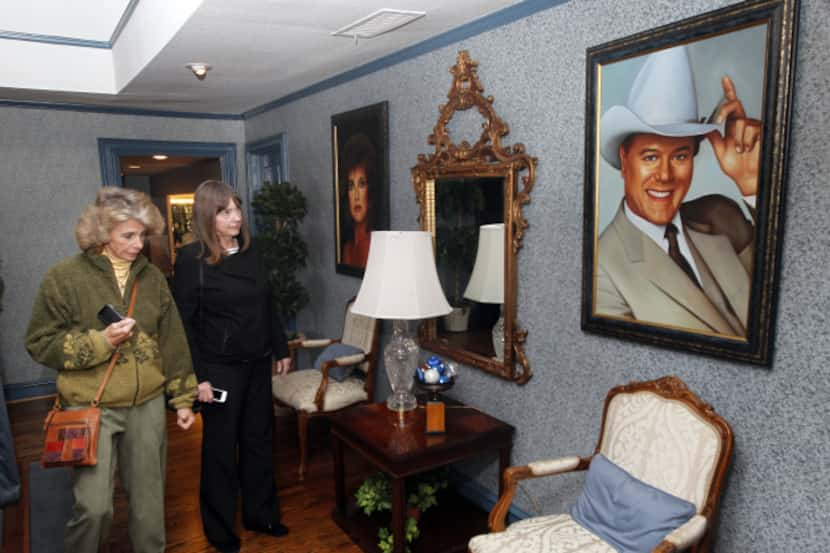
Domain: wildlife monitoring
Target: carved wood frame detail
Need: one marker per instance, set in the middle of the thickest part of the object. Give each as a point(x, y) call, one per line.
point(487, 157)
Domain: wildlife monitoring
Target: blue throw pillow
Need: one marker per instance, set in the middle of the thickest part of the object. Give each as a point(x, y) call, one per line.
point(632, 516)
point(333, 351)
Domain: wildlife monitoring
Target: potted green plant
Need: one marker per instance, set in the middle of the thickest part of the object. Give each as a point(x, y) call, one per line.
point(278, 210)
point(375, 496)
point(457, 205)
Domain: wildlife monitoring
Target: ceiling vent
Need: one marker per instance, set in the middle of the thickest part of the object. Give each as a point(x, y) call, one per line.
point(379, 22)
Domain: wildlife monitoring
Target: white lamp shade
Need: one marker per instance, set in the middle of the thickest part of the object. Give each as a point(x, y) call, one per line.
point(400, 281)
point(487, 281)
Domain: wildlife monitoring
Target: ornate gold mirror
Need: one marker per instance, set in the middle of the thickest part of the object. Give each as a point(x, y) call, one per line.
point(471, 199)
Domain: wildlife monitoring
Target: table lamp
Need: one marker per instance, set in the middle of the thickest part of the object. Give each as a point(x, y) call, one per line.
point(487, 281)
point(401, 283)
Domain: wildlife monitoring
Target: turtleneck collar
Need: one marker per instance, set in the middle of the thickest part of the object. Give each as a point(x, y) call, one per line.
point(121, 268)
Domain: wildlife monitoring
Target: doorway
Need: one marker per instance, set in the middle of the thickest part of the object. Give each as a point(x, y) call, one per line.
point(168, 172)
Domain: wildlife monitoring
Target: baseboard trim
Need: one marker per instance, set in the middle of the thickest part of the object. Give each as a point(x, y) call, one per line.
point(482, 496)
point(29, 390)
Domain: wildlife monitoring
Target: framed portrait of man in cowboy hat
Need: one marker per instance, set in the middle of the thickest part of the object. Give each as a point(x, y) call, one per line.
point(686, 137)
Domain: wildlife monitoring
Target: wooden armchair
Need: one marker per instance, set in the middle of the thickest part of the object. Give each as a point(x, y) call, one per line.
point(312, 393)
point(659, 432)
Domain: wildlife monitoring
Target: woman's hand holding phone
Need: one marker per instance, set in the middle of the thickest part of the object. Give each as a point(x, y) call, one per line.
point(205, 392)
point(120, 331)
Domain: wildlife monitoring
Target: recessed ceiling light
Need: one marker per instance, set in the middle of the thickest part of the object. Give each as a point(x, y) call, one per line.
point(199, 69)
point(133, 166)
point(160, 157)
point(379, 22)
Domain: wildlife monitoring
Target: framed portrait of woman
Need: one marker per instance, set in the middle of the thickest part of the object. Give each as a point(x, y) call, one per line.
point(360, 157)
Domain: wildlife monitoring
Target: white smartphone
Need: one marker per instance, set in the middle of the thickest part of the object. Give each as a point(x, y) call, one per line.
point(219, 395)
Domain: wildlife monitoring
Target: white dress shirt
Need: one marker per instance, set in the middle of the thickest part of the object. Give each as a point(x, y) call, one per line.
point(657, 233)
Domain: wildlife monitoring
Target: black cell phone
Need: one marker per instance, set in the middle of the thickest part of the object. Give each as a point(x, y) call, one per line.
point(108, 315)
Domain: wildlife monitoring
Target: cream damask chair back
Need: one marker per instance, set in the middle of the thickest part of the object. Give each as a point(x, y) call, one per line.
point(361, 332)
point(660, 433)
point(663, 442)
point(313, 392)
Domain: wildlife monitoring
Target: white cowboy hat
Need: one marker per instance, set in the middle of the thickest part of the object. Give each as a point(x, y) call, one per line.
point(662, 100)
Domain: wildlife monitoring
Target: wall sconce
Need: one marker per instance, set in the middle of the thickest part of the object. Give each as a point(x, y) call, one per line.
point(199, 69)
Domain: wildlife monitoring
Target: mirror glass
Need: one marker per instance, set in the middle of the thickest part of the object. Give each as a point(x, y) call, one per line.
point(462, 206)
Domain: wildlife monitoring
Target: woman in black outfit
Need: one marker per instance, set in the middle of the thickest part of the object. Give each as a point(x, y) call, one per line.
point(224, 300)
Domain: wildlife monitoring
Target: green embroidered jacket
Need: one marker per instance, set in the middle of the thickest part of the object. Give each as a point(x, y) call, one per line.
point(65, 334)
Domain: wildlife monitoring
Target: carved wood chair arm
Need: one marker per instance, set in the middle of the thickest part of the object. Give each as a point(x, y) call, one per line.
point(301, 342)
point(536, 469)
point(684, 536)
point(308, 343)
point(345, 360)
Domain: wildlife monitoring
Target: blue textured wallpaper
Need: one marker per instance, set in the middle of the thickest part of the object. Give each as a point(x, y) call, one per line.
point(535, 68)
point(50, 170)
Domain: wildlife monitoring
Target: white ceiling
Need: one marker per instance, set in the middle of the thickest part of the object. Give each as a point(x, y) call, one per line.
point(64, 19)
point(260, 50)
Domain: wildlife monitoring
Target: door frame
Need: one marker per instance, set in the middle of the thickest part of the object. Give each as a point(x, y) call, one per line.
point(110, 151)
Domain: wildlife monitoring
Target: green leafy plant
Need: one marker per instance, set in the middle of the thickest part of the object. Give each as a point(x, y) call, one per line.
point(386, 541)
point(457, 205)
point(278, 210)
point(375, 496)
point(455, 248)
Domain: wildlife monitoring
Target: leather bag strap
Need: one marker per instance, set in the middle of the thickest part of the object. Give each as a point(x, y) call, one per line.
point(116, 353)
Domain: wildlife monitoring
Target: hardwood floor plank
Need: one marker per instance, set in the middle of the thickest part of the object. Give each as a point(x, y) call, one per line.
point(306, 506)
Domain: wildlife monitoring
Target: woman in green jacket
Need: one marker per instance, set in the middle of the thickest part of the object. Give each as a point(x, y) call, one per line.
point(66, 334)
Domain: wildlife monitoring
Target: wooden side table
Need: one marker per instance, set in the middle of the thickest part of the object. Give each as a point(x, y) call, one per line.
point(396, 443)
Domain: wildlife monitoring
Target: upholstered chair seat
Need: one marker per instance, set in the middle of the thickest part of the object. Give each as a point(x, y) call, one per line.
point(661, 451)
point(544, 534)
point(313, 392)
point(298, 390)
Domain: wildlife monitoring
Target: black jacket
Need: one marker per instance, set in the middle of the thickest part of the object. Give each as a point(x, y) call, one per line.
point(228, 319)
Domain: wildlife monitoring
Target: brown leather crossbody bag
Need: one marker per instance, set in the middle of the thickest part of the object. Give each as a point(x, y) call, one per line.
point(72, 435)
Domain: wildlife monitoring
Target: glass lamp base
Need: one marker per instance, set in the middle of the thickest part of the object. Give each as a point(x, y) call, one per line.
point(401, 401)
point(401, 358)
point(498, 338)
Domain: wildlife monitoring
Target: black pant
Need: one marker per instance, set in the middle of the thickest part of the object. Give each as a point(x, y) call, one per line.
point(236, 452)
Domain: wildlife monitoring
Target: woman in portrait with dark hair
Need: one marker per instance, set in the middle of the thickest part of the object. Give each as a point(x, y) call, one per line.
point(66, 334)
point(236, 341)
point(358, 177)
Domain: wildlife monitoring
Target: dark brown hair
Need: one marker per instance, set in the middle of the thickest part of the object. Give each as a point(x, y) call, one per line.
point(210, 198)
point(358, 151)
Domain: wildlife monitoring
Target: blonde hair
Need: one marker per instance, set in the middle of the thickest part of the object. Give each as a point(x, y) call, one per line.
point(210, 198)
point(115, 205)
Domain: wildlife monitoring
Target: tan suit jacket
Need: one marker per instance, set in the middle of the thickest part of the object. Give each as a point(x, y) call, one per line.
point(636, 279)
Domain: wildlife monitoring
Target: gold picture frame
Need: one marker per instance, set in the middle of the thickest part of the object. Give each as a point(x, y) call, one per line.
point(179, 222)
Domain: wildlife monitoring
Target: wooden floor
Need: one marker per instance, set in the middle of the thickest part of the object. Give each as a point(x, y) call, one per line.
point(306, 506)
